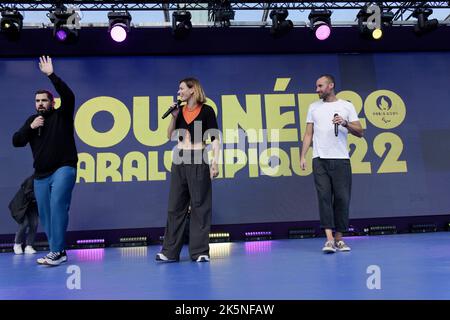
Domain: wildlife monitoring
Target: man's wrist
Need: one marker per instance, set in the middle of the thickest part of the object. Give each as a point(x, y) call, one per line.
point(345, 124)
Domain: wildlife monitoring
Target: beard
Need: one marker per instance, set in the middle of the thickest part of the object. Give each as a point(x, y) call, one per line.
point(324, 95)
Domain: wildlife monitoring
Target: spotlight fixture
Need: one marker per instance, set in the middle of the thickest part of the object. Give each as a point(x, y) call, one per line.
point(258, 235)
point(65, 24)
point(280, 25)
point(320, 23)
point(423, 24)
point(89, 244)
point(135, 241)
point(216, 237)
point(11, 23)
point(382, 230)
point(119, 25)
point(181, 23)
point(423, 227)
point(302, 233)
point(220, 12)
point(373, 29)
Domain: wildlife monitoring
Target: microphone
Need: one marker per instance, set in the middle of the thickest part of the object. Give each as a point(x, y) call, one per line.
point(169, 111)
point(40, 113)
point(336, 126)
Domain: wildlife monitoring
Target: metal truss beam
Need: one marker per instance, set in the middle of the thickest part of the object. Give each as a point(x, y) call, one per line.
point(402, 9)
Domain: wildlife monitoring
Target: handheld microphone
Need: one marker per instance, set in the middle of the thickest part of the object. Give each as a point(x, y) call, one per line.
point(170, 110)
point(336, 126)
point(40, 113)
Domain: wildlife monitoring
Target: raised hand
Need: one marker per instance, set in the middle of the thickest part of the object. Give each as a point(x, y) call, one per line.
point(45, 64)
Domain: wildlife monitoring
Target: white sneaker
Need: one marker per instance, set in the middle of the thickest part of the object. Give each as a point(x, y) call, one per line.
point(18, 248)
point(203, 258)
point(161, 257)
point(29, 250)
point(329, 247)
point(342, 246)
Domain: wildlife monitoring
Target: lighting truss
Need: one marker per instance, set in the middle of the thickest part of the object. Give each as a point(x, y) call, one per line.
point(402, 9)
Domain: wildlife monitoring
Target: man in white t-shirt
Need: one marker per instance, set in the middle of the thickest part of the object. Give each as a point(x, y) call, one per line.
point(328, 122)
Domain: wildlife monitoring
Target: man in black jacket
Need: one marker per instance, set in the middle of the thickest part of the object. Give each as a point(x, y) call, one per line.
point(50, 134)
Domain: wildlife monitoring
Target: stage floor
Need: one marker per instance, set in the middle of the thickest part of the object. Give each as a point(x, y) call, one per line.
point(411, 266)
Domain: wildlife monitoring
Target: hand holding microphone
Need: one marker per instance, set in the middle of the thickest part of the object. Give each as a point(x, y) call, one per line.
point(336, 124)
point(174, 107)
point(38, 122)
point(338, 120)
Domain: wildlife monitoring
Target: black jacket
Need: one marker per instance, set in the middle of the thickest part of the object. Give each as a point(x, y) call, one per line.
point(55, 147)
point(23, 201)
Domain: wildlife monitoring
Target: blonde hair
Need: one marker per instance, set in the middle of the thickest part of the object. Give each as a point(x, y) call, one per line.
point(199, 94)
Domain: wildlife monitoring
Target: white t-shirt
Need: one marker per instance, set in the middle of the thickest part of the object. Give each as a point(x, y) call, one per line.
point(325, 144)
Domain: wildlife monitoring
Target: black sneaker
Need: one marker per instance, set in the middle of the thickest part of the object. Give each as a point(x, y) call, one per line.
point(56, 258)
point(43, 260)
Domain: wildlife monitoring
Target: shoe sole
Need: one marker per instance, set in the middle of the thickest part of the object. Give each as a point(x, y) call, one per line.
point(202, 260)
point(54, 263)
point(157, 258)
point(344, 250)
point(328, 251)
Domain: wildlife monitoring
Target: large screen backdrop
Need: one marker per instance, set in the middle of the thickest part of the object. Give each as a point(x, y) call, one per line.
point(400, 168)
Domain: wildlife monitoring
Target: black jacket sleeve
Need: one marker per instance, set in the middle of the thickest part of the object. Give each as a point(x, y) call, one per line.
point(22, 137)
point(65, 93)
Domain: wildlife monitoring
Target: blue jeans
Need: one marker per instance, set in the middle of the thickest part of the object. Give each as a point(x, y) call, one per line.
point(53, 195)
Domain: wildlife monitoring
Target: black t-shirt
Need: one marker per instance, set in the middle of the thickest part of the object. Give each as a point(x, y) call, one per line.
point(55, 147)
point(205, 120)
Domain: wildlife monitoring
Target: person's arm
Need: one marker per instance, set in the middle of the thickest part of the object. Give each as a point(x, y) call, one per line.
point(307, 138)
point(213, 130)
point(173, 122)
point(354, 128)
point(65, 93)
point(214, 163)
point(22, 137)
point(351, 123)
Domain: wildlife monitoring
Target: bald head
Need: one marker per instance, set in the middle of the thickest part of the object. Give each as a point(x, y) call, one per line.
point(325, 86)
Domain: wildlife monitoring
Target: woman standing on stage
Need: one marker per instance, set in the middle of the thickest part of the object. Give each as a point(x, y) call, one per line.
point(191, 174)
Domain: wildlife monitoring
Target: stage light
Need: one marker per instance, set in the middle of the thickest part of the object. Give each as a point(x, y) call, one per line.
point(382, 230)
point(131, 242)
point(374, 31)
point(181, 24)
point(320, 23)
point(423, 24)
point(11, 23)
point(89, 243)
point(280, 25)
point(65, 24)
point(219, 237)
point(119, 25)
point(221, 13)
point(421, 228)
point(258, 235)
point(377, 33)
point(6, 247)
point(301, 233)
